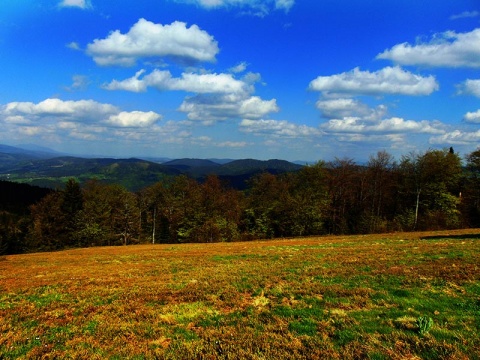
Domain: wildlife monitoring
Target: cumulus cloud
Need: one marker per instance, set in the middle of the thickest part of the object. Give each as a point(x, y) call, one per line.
point(217, 97)
point(457, 137)
point(278, 128)
point(146, 39)
point(82, 109)
point(190, 82)
point(386, 126)
point(351, 120)
point(211, 108)
point(469, 87)
point(472, 117)
point(389, 80)
point(68, 114)
point(82, 4)
point(348, 107)
point(133, 119)
point(448, 49)
point(16, 119)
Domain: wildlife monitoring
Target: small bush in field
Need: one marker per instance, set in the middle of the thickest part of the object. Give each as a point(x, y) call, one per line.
point(424, 324)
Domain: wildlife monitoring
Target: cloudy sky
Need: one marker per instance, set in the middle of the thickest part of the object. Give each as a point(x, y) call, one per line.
point(288, 79)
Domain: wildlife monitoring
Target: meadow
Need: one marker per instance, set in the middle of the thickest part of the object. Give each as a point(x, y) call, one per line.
point(343, 297)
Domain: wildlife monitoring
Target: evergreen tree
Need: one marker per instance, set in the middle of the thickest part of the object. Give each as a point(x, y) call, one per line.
point(71, 205)
point(471, 191)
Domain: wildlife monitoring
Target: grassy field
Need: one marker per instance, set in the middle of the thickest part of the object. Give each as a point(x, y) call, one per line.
point(315, 298)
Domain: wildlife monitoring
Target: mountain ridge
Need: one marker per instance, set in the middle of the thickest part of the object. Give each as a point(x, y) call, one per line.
point(134, 173)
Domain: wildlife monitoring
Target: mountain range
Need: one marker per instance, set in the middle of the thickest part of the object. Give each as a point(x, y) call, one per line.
point(47, 168)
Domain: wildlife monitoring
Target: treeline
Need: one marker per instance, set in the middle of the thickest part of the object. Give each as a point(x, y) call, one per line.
point(427, 191)
point(15, 219)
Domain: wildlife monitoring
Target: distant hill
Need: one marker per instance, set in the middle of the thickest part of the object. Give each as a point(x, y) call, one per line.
point(36, 152)
point(11, 157)
point(134, 174)
point(238, 172)
point(38, 167)
point(187, 164)
point(251, 165)
point(234, 172)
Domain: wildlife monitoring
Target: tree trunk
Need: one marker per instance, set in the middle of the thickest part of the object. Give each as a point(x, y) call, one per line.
point(154, 217)
point(416, 210)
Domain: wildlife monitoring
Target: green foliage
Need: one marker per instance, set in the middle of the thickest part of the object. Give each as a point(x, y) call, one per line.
point(431, 183)
point(424, 324)
point(303, 327)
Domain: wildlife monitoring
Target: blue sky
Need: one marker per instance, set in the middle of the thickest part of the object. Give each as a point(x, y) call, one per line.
point(287, 79)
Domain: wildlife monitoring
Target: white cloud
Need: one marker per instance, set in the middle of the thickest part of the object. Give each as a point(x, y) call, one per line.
point(80, 82)
point(457, 137)
point(82, 109)
point(218, 96)
point(389, 80)
point(149, 40)
point(469, 87)
point(30, 130)
point(256, 7)
point(251, 78)
point(448, 49)
point(472, 117)
point(465, 15)
point(348, 107)
point(72, 114)
point(239, 68)
point(387, 126)
point(133, 84)
point(133, 119)
point(83, 135)
point(352, 121)
point(232, 144)
point(17, 119)
point(82, 4)
point(278, 128)
point(190, 82)
point(254, 107)
point(210, 108)
point(74, 46)
point(284, 4)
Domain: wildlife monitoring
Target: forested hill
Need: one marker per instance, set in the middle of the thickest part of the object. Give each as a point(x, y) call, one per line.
point(236, 173)
point(133, 174)
point(251, 165)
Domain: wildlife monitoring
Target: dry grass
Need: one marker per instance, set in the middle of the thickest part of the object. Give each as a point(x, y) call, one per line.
point(315, 298)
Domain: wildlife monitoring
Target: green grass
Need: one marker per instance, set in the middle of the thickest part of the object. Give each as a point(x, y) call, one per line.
point(332, 297)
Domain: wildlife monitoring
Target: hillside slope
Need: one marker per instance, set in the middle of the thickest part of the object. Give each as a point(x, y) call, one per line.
point(38, 168)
